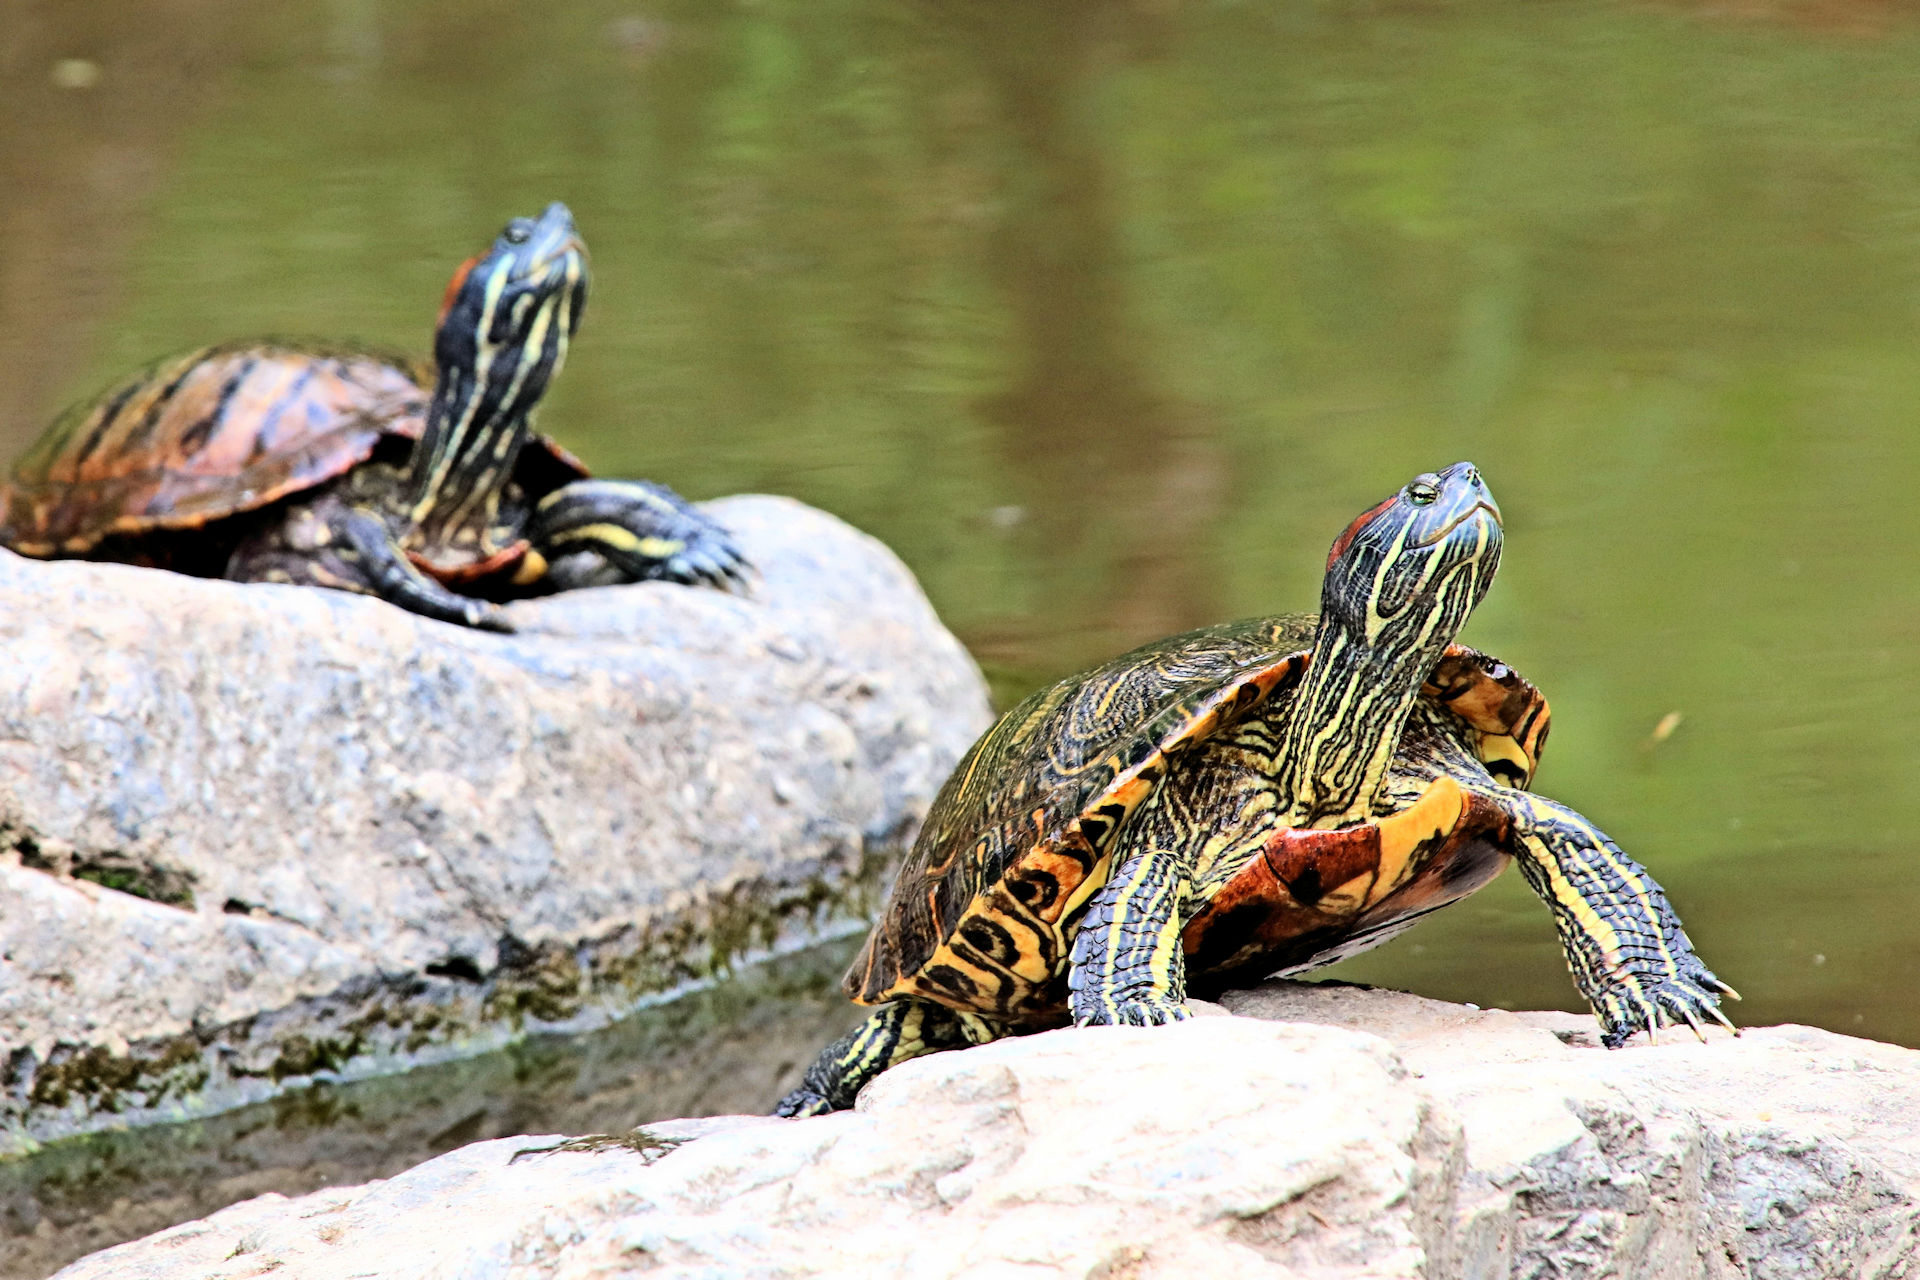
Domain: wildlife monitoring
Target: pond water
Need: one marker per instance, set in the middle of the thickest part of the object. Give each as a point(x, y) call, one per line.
point(1108, 316)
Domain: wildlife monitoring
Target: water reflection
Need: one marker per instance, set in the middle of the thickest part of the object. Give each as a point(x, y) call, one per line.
point(731, 1049)
point(1109, 316)
point(1081, 414)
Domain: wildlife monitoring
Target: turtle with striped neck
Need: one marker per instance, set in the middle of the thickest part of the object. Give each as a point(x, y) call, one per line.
point(425, 485)
point(1259, 798)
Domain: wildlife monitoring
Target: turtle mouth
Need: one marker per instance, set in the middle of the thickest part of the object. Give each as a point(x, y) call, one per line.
point(1485, 504)
point(557, 252)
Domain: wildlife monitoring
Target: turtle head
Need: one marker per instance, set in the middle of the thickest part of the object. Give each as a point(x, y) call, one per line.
point(1398, 588)
point(1406, 573)
point(1400, 583)
point(510, 311)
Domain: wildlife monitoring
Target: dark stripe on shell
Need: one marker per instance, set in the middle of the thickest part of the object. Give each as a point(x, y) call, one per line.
point(196, 436)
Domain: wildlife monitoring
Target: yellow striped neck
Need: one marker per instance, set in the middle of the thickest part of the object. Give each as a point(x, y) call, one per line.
point(483, 401)
point(1343, 727)
point(459, 474)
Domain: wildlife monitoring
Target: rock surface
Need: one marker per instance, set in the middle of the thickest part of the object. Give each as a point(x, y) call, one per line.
point(251, 834)
point(1381, 1135)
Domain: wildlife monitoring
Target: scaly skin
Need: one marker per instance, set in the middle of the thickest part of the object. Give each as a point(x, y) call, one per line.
point(1205, 812)
point(271, 462)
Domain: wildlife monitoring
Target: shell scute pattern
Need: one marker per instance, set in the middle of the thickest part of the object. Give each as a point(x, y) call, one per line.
point(220, 431)
point(204, 435)
point(1035, 807)
point(1506, 718)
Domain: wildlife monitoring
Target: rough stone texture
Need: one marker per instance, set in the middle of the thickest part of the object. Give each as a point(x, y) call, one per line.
point(1414, 1139)
point(1788, 1152)
point(253, 833)
point(733, 1046)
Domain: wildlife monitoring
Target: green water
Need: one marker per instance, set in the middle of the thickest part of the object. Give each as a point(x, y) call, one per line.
point(1109, 316)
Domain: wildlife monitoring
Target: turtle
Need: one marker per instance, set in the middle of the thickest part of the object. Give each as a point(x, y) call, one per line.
point(1257, 798)
point(363, 470)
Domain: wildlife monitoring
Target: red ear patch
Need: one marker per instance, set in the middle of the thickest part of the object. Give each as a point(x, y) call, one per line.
point(1361, 521)
point(453, 288)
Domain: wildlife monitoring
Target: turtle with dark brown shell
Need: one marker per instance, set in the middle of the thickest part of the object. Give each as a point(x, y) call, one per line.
point(1257, 798)
point(364, 471)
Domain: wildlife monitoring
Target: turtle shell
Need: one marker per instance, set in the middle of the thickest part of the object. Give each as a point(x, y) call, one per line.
point(218, 431)
point(1020, 835)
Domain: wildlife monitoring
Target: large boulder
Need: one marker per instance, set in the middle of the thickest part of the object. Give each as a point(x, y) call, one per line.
point(251, 834)
point(1373, 1135)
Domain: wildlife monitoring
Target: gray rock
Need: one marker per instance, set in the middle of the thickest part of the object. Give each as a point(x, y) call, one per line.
point(1372, 1135)
point(1787, 1152)
point(251, 834)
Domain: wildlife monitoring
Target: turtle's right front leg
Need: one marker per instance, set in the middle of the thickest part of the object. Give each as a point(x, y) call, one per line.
point(892, 1034)
point(1128, 967)
point(331, 543)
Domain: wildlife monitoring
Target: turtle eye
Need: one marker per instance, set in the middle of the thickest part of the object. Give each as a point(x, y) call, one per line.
point(1421, 494)
point(518, 232)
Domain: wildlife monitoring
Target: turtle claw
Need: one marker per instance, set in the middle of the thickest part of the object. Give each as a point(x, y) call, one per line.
point(708, 558)
point(1680, 996)
point(1145, 1012)
point(491, 618)
point(801, 1103)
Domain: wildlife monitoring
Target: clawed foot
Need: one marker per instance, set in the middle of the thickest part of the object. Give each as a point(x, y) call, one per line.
point(1673, 1000)
point(1144, 1011)
point(803, 1102)
point(708, 558)
point(635, 530)
point(650, 1145)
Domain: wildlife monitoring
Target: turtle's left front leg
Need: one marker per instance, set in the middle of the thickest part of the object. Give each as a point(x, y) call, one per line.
point(641, 530)
point(892, 1034)
point(1624, 944)
point(1128, 968)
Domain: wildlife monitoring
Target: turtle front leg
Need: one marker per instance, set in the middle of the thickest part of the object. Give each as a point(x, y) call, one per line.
point(892, 1034)
point(639, 530)
point(1629, 955)
point(1128, 967)
point(331, 543)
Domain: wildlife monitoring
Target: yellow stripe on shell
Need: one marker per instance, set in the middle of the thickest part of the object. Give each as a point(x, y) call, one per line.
point(1491, 747)
point(533, 567)
point(1127, 790)
point(1435, 814)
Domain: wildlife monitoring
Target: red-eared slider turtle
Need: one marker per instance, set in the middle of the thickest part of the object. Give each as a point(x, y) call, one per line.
point(1262, 797)
point(270, 462)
